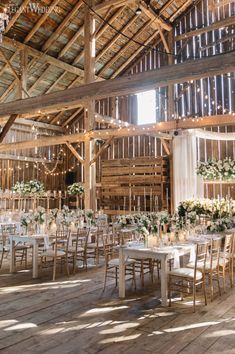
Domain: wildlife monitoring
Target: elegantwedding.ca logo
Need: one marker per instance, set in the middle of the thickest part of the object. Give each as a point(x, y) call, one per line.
point(34, 7)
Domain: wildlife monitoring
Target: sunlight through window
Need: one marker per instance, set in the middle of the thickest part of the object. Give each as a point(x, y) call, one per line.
point(146, 103)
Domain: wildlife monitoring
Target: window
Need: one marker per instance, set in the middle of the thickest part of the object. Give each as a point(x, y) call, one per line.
point(146, 103)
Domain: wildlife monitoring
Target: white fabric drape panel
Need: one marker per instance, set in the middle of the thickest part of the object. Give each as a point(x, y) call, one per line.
point(205, 134)
point(185, 180)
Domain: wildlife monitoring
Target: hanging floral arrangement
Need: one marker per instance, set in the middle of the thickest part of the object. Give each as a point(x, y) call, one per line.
point(217, 169)
point(76, 189)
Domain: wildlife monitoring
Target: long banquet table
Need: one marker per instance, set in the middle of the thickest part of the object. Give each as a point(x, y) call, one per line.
point(33, 240)
point(163, 254)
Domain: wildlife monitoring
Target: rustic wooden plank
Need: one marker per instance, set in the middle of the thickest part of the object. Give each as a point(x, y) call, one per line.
point(41, 20)
point(74, 97)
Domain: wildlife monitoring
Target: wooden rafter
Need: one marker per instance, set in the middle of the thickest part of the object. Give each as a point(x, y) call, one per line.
point(8, 91)
point(100, 32)
point(41, 21)
point(44, 57)
point(133, 56)
point(166, 146)
point(7, 127)
point(218, 24)
point(75, 97)
point(209, 121)
point(115, 38)
point(74, 152)
point(108, 3)
point(64, 23)
point(71, 41)
point(116, 56)
point(16, 15)
point(180, 10)
point(164, 41)
point(157, 20)
point(102, 149)
point(165, 6)
point(72, 117)
point(2, 54)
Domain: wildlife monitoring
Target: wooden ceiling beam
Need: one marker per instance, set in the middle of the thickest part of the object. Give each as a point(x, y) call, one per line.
point(101, 31)
point(72, 117)
point(44, 57)
point(40, 78)
point(157, 20)
point(71, 41)
point(115, 38)
point(166, 6)
point(157, 128)
point(16, 15)
point(134, 55)
point(116, 56)
point(218, 24)
point(7, 127)
point(164, 41)
point(74, 152)
point(41, 20)
point(8, 91)
point(102, 149)
point(108, 3)
point(181, 9)
point(54, 36)
point(167, 75)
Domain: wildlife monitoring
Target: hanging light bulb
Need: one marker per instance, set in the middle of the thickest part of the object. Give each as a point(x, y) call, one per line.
point(4, 19)
point(138, 10)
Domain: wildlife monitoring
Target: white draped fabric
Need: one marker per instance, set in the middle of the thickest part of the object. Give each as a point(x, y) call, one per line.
point(205, 134)
point(185, 181)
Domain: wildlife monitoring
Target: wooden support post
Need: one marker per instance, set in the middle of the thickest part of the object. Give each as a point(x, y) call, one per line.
point(24, 68)
point(171, 101)
point(89, 113)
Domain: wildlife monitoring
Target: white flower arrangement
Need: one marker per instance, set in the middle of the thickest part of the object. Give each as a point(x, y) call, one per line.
point(31, 187)
point(39, 215)
point(76, 189)
point(26, 220)
point(89, 213)
point(214, 169)
point(221, 225)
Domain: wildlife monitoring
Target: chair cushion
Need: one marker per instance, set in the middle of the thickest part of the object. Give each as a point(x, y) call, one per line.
point(186, 273)
point(51, 253)
point(73, 249)
point(94, 245)
point(115, 262)
point(223, 261)
point(200, 265)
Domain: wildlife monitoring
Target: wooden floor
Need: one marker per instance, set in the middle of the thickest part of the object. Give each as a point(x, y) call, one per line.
point(74, 315)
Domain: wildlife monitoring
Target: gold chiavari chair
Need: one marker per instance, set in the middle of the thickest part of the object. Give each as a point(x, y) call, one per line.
point(211, 265)
point(78, 251)
point(187, 280)
point(21, 250)
point(57, 252)
point(226, 259)
point(112, 264)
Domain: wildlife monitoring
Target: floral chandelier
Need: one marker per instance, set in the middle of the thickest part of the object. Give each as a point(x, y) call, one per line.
point(4, 19)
